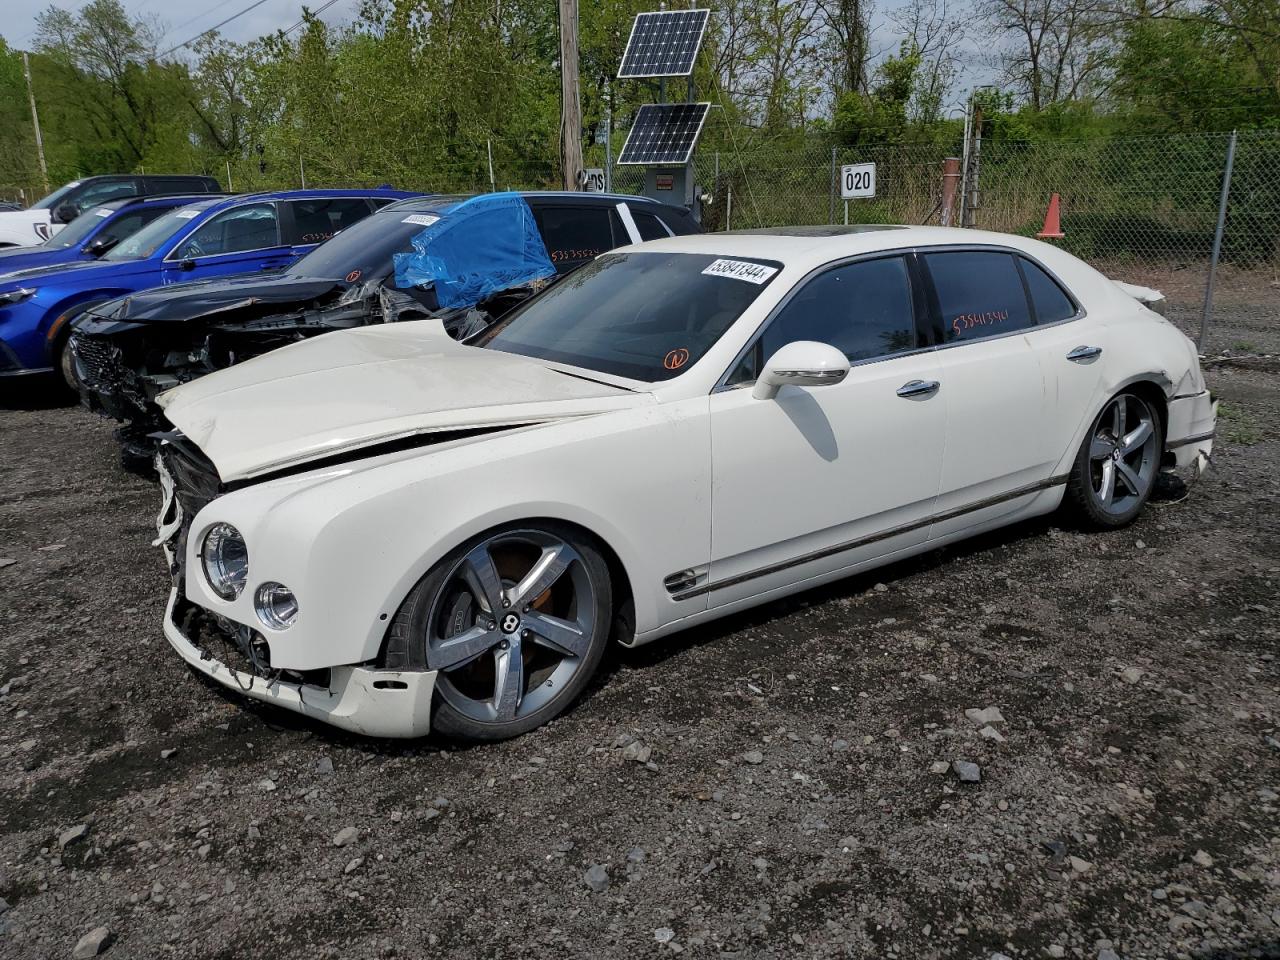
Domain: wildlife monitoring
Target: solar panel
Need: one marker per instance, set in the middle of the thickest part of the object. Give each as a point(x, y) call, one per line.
point(664, 133)
point(664, 44)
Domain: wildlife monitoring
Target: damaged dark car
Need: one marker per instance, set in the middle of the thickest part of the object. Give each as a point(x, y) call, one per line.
point(467, 261)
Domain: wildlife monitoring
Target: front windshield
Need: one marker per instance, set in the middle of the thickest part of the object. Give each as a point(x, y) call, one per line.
point(646, 316)
point(79, 229)
point(151, 237)
point(53, 199)
point(364, 250)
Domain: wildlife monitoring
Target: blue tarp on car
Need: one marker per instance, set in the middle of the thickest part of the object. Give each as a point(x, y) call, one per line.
point(483, 245)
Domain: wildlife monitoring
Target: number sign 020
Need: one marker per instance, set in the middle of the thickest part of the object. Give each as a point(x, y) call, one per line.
point(858, 180)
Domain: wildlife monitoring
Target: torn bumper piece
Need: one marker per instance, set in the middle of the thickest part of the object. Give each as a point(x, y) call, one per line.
point(373, 703)
point(1189, 434)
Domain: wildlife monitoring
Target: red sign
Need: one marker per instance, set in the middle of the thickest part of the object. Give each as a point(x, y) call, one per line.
point(664, 182)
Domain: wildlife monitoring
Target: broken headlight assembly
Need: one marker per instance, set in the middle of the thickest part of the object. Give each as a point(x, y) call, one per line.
point(17, 296)
point(276, 605)
point(225, 558)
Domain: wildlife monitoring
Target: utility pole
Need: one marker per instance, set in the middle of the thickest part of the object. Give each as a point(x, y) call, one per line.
point(35, 121)
point(570, 102)
point(969, 203)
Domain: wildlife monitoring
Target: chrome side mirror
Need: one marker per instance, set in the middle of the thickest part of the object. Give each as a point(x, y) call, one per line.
point(804, 363)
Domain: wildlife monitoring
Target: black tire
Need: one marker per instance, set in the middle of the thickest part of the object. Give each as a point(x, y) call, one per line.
point(1083, 499)
point(431, 605)
point(63, 361)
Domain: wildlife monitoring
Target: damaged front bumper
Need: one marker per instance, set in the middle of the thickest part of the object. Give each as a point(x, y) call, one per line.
point(373, 703)
point(1189, 434)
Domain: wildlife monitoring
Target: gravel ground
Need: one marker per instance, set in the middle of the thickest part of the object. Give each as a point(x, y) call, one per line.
point(782, 783)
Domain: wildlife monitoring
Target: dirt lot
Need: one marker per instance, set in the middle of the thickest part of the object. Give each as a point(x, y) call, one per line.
point(1127, 804)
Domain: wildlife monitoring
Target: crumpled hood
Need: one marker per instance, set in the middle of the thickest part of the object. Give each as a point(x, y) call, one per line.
point(356, 388)
point(190, 301)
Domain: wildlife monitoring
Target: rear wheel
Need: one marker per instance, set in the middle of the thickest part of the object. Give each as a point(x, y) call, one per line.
point(515, 621)
point(1116, 468)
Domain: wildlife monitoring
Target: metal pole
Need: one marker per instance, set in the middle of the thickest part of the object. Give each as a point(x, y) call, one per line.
point(230, 186)
point(1217, 243)
point(488, 146)
point(608, 137)
point(964, 158)
point(950, 174)
point(728, 210)
point(975, 161)
point(302, 172)
point(831, 209)
point(846, 213)
point(35, 121)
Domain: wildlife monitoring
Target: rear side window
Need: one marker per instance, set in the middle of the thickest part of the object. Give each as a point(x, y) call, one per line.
point(318, 219)
point(1050, 301)
point(102, 191)
point(178, 185)
point(650, 227)
point(862, 309)
point(980, 294)
point(574, 233)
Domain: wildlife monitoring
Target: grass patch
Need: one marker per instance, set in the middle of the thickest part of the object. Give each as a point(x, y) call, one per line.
point(1239, 426)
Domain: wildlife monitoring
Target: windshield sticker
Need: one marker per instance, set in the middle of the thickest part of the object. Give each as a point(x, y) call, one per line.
point(676, 359)
point(421, 219)
point(102, 212)
point(187, 214)
point(740, 270)
point(353, 276)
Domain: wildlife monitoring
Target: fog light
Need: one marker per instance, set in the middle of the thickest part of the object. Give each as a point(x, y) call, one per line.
point(276, 605)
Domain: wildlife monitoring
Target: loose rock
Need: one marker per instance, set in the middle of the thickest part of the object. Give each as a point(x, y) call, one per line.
point(92, 943)
point(597, 878)
point(966, 771)
point(345, 836)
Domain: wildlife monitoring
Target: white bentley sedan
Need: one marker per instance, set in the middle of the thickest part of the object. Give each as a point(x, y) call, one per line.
point(395, 532)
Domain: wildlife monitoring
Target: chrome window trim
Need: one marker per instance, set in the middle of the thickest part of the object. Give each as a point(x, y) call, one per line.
point(171, 258)
point(721, 385)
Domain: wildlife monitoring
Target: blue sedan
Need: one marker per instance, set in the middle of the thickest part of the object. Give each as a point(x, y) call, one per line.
point(94, 232)
point(210, 238)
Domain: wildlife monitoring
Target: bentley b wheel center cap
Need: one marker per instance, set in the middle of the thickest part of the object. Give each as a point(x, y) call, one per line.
point(510, 623)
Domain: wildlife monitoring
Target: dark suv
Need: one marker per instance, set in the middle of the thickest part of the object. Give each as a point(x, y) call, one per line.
point(128, 351)
point(68, 202)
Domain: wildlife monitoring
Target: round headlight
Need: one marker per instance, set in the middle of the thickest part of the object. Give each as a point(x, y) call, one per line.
point(225, 557)
point(276, 605)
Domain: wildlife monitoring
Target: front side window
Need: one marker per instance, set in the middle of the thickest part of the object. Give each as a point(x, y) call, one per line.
point(862, 309)
point(318, 219)
point(646, 316)
point(251, 227)
point(980, 293)
point(103, 191)
point(1051, 303)
point(574, 233)
point(79, 229)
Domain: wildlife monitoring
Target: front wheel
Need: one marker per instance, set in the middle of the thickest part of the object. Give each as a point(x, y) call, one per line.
point(1116, 468)
point(516, 622)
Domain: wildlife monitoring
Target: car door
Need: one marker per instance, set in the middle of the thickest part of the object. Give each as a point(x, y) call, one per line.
point(242, 239)
point(996, 398)
point(1068, 346)
point(823, 478)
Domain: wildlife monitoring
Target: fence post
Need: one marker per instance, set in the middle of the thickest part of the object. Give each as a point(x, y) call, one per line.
point(1217, 243)
point(831, 210)
point(950, 174)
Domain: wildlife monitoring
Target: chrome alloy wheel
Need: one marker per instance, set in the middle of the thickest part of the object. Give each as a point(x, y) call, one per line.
point(510, 625)
point(1123, 454)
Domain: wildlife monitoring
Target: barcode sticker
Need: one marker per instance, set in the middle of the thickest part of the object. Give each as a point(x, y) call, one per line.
point(741, 270)
point(422, 219)
point(187, 214)
point(102, 212)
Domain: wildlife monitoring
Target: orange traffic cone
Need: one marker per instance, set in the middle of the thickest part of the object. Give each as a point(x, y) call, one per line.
point(1052, 227)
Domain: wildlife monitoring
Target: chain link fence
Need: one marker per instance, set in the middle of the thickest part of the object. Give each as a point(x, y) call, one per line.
point(1143, 210)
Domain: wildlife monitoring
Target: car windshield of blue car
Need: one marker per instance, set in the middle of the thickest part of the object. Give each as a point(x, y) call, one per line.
point(645, 316)
point(364, 250)
point(151, 237)
point(79, 229)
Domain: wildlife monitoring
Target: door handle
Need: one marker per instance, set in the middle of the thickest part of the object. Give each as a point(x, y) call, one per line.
point(1081, 354)
point(919, 388)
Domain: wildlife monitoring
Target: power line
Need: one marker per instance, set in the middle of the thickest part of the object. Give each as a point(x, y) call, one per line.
point(214, 28)
point(319, 10)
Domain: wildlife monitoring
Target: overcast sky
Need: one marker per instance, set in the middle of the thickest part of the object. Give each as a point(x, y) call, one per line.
point(182, 20)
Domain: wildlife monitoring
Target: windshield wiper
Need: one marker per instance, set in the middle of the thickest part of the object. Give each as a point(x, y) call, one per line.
point(604, 383)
